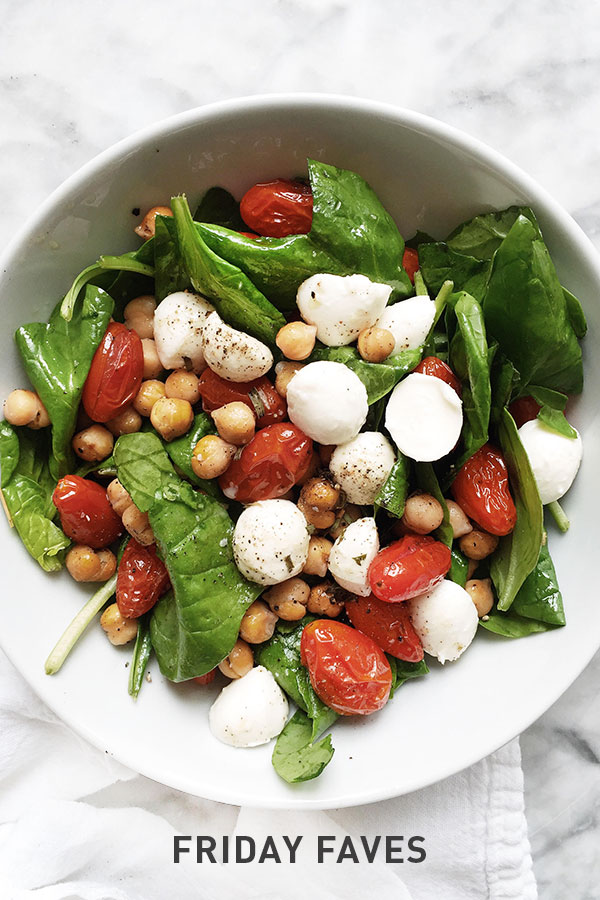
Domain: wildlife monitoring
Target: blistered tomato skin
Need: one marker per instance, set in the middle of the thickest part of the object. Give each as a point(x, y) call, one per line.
point(408, 567)
point(432, 365)
point(86, 515)
point(347, 670)
point(142, 578)
point(481, 488)
point(388, 624)
point(410, 262)
point(274, 460)
point(115, 373)
point(278, 208)
point(525, 409)
point(259, 395)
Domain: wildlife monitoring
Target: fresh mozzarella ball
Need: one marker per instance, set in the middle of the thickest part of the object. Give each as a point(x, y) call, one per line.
point(178, 324)
point(328, 402)
point(250, 711)
point(409, 321)
point(341, 306)
point(424, 417)
point(554, 458)
point(270, 541)
point(362, 466)
point(352, 554)
point(233, 354)
point(445, 619)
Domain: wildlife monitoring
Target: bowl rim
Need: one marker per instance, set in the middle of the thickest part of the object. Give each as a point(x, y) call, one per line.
point(416, 121)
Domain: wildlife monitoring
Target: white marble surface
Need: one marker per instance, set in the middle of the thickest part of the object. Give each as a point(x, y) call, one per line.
point(524, 77)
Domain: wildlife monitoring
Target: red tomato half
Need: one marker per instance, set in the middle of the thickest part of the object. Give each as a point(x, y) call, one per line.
point(86, 515)
point(278, 208)
point(205, 679)
point(388, 624)
point(347, 669)
point(274, 460)
point(432, 365)
point(524, 410)
point(481, 488)
point(142, 578)
point(259, 395)
point(115, 374)
point(408, 567)
point(410, 262)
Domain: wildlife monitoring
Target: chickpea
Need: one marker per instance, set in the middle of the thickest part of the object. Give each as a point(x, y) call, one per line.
point(320, 494)
point(458, 519)
point(350, 513)
point(152, 364)
point(139, 315)
point(25, 408)
point(375, 344)
point(85, 564)
point(138, 525)
point(128, 421)
point(239, 662)
point(119, 630)
point(258, 623)
point(172, 417)
point(288, 599)
point(147, 226)
point(422, 514)
point(325, 600)
point(478, 544)
point(315, 517)
point(211, 456)
point(319, 549)
point(118, 497)
point(284, 372)
point(296, 340)
point(313, 466)
point(183, 385)
point(150, 392)
point(93, 444)
point(235, 423)
point(482, 595)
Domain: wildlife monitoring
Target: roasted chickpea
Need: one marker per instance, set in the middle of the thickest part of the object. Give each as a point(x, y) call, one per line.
point(458, 519)
point(239, 661)
point(128, 421)
point(325, 600)
point(482, 595)
point(284, 372)
point(422, 514)
point(211, 456)
point(138, 525)
point(350, 513)
point(85, 564)
point(150, 392)
point(25, 408)
point(235, 423)
point(375, 344)
point(139, 315)
point(320, 494)
point(172, 417)
point(258, 623)
point(319, 549)
point(478, 544)
point(288, 599)
point(119, 630)
point(316, 518)
point(147, 226)
point(93, 444)
point(152, 364)
point(183, 385)
point(118, 497)
point(296, 340)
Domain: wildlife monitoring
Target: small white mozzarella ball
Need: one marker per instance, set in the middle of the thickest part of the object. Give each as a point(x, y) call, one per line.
point(362, 466)
point(554, 458)
point(352, 554)
point(178, 324)
point(328, 402)
point(270, 541)
point(250, 710)
point(445, 619)
point(341, 306)
point(409, 321)
point(424, 417)
point(232, 354)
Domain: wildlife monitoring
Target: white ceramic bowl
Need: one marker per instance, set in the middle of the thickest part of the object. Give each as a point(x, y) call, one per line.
point(429, 176)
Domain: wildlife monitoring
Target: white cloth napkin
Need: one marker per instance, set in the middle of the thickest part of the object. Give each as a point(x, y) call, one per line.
point(76, 825)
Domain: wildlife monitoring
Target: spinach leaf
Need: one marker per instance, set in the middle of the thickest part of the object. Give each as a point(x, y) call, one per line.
point(439, 264)
point(142, 651)
point(504, 380)
point(469, 358)
point(458, 567)
point(219, 207)
point(481, 236)
point(393, 494)
point(427, 480)
point(143, 467)
point(518, 552)
point(234, 296)
point(295, 758)
point(378, 378)
point(170, 273)
point(57, 359)
point(552, 404)
point(576, 314)
point(511, 625)
point(195, 625)
point(180, 451)
point(403, 671)
point(539, 597)
point(100, 274)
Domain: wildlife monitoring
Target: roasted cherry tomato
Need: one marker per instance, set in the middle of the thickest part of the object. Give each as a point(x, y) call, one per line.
point(481, 488)
point(278, 208)
point(524, 410)
point(115, 374)
point(347, 669)
point(388, 624)
point(274, 460)
point(142, 578)
point(408, 567)
point(410, 262)
point(259, 395)
point(249, 234)
point(86, 515)
point(431, 365)
point(206, 679)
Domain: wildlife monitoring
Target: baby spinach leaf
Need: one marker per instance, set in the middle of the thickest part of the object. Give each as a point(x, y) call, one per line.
point(458, 567)
point(170, 273)
point(509, 624)
point(99, 274)
point(427, 481)
point(539, 597)
point(403, 671)
point(378, 378)
point(552, 404)
point(439, 264)
point(576, 314)
point(481, 236)
point(143, 467)
point(180, 450)
point(57, 359)
point(295, 758)
point(219, 207)
point(393, 494)
point(469, 358)
point(142, 651)
point(504, 380)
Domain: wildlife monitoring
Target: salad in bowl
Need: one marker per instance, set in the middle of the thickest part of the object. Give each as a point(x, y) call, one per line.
point(299, 454)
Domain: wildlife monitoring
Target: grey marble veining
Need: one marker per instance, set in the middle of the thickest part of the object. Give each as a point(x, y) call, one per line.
point(525, 78)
